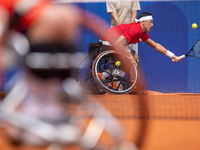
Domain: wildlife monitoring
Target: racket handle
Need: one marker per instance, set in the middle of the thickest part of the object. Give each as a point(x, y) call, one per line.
point(180, 57)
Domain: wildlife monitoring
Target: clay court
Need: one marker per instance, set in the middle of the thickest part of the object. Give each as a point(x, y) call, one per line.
point(169, 121)
point(172, 120)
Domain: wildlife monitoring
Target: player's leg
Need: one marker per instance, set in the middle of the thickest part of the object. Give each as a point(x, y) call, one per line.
point(140, 87)
point(103, 75)
point(135, 48)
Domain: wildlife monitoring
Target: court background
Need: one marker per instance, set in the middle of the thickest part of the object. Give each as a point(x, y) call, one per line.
point(172, 29)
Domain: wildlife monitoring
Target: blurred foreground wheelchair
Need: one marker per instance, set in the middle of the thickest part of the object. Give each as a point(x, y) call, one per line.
point(34, 116)
point(102, 71)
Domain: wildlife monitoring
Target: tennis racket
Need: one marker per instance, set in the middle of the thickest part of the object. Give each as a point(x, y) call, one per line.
point(194, 51)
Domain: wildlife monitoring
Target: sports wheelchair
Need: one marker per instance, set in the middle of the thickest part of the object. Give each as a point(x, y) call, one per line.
point(98, 73)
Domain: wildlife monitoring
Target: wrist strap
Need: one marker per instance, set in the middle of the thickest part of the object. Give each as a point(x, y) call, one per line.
point(169, 54)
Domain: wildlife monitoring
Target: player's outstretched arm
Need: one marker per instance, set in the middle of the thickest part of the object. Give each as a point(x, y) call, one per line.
point(159, 48)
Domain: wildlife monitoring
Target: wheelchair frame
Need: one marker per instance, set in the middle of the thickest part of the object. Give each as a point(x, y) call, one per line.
point(117, 80)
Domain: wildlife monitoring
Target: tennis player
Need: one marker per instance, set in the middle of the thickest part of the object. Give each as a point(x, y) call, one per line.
point(51, 30)
point(123, 35)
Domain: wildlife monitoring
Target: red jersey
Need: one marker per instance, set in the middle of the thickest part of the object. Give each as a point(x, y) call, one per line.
point(8, 5)
point(30, 16)
point(132, 32)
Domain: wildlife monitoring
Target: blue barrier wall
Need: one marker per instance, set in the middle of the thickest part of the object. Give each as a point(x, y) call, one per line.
point(172, 29)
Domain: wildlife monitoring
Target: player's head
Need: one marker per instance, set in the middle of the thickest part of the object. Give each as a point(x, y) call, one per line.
point(146, 21)
point(144, 14)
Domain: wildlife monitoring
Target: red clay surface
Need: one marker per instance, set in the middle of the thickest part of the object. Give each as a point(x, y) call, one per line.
point(160, 134)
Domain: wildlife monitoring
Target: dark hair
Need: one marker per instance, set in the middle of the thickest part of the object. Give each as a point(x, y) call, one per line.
point(143, 14)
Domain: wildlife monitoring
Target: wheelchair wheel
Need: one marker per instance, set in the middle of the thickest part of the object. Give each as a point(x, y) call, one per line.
point(111, 78)
point(83, 75)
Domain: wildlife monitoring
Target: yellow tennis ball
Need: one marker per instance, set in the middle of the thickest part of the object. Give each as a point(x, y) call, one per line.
point(117, 63)
point(194, 25)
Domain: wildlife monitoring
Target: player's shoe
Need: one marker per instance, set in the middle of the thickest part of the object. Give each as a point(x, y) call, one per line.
point(115, 85)
point(103, 75)
point(99, 75)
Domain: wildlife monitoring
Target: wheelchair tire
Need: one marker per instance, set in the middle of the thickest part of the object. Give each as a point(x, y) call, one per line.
point(111, 78)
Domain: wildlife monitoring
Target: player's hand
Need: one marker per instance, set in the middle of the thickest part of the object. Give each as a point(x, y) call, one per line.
point(175, 59)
